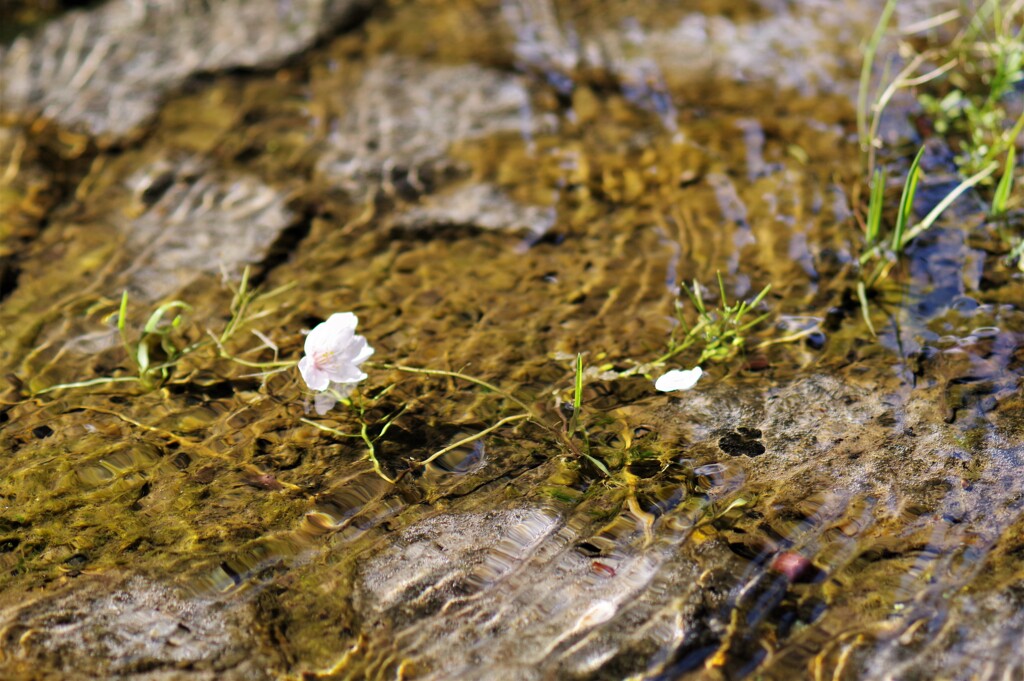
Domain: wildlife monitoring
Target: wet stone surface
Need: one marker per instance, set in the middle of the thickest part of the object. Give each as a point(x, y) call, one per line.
point(493, 188)
point(127, 627)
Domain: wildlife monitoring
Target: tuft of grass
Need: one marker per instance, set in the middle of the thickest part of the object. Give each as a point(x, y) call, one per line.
point(979, 68)
point(987, 57)
point(159, 347)
point(722, 331)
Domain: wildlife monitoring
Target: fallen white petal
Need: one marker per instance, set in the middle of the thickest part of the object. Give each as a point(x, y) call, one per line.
point(678, 379)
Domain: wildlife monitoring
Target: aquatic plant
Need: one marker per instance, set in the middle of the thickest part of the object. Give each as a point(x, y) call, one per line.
point(160, 346)
point(983, 134)
point(987, 62)
point(335, 357)
point(722, 330)
point(978, 68)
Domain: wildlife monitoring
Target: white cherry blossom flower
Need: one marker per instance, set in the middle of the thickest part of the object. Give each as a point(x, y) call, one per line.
point(678, 379)
point(333, 355)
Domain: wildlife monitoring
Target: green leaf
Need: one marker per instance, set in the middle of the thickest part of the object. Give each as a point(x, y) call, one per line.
point(122, 314)
point(142, 357)
point(153, 324)
point(577, 396)
point(875, 207)
point(1002, 193)
point(907, 202)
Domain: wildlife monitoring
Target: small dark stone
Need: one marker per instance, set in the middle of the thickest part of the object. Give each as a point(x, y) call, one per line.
point(205, 475)
point(642, 432)
point(834, 318)
point(735, 444)
point(77, 561)
point(645, 468)
point(42, 432)
point(816, 340)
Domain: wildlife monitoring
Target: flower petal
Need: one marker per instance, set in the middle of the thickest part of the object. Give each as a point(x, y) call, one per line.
point(678, 379)
point(344, 372)
point(315, 378)
point(358, 351)
point(324, 402)
point(332, 335)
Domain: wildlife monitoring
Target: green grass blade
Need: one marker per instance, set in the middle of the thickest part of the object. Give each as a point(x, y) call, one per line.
point(865, 72)
point(600, 466)
point(142, 357)
point(751, 324)
point(907, 203)
point(697, 298)
point(942, 205)
point(122, 326)
point(577, 395)
point(153, 324)
point(122, 314)
point(1002, 193)
point(760, 296)
point(874, 225)
point(864, 309)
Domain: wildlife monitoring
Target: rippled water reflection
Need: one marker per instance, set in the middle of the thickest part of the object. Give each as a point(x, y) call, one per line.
point(492, 187)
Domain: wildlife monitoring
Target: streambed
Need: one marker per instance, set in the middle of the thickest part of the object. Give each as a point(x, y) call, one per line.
point(493, 187)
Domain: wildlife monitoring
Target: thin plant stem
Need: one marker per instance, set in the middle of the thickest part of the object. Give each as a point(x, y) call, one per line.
point(890, 91)
point(364, 435)
point(465, 377)
point(577, 396)
point(371, 452)
point(560, 434)
point(88, 383)
point(472, 438)
point(942, 205)
point(864, 309)
point(870, 50)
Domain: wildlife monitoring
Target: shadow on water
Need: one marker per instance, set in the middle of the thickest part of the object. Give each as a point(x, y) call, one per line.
point(493, 188)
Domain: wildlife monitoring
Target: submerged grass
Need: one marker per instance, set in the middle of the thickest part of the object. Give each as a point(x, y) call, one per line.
point(159, 337)
point(722, 331)
point(972, 117)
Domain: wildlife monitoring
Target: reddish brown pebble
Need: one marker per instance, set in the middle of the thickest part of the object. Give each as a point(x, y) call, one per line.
point(264, 481)
point(792, 565)
point(756, 363)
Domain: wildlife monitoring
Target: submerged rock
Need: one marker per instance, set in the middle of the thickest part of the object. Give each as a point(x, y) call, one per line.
point(191, 220)
point(127, 627)
point(481, 206)
point(404, 116)
point(105, 70)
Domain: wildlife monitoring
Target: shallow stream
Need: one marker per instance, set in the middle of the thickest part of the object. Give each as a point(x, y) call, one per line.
point(492, 186)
